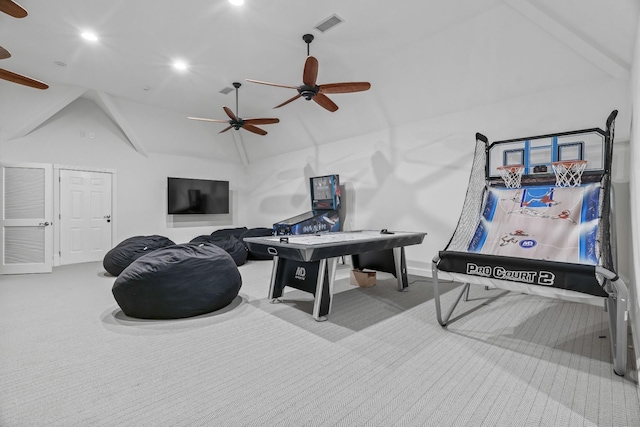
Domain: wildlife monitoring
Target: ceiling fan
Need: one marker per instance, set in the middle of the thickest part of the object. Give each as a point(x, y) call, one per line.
point(238, 122)
point(12, 8)
point(311, 90)
point(18, 78)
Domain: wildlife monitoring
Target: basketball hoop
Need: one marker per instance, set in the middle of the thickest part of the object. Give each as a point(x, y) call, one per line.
point(511, 174)
point(569, 172)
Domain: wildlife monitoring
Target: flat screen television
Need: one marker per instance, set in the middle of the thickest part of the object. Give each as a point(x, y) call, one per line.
point(197, 196)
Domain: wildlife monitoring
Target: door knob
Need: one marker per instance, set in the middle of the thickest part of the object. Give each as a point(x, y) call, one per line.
point(108, 218)
point(44, 223)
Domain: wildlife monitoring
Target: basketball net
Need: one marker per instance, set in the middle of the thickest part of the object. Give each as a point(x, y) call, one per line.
point(511, 174)
point(569, 173)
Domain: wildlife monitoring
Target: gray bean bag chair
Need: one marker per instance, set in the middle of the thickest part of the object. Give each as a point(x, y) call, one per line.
point(229, 243)
point(235, 232)
point(256, 232)
point(127, 251)
point(178, 281)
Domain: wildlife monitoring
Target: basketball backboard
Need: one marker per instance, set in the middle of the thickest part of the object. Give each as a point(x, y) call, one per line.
point(537, 153)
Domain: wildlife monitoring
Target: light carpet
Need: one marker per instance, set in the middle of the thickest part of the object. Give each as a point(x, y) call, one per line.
point(70, 357)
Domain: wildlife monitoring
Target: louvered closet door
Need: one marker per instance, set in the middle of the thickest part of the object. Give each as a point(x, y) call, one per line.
point(26, 233)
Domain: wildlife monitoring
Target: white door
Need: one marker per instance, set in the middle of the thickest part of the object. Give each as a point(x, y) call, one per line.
point(26, 234)
point(85, 216)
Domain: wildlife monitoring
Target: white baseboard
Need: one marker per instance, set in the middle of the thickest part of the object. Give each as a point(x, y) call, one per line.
point(419, 271)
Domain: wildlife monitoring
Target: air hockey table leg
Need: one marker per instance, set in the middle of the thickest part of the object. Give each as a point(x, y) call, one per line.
point(401, 269)
point(324, 289)
point(274, 294)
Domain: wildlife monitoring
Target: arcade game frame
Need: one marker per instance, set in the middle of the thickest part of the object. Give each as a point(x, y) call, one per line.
point(530, 226)
point(324, 216)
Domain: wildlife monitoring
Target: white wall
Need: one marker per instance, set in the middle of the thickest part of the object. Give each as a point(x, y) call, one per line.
point(141, 181)
point(634, 184)
point(414, 177)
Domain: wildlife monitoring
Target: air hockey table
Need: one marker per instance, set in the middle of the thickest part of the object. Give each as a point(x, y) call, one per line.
point(308, 261)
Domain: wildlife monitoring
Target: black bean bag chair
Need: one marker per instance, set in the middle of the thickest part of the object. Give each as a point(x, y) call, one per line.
point(229, 243)
point(127, 251)
point(256, 232)
point(235, 232)
point(178, 281)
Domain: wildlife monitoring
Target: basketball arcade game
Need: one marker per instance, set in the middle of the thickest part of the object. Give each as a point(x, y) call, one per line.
point(538, 219)
point(324, 216)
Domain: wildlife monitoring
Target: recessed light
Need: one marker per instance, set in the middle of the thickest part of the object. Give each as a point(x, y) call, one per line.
point(180, 65)
point(88, 35)
point(236, 2)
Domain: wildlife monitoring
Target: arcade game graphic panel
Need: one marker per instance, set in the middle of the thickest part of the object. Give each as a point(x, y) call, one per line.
point(324, 216)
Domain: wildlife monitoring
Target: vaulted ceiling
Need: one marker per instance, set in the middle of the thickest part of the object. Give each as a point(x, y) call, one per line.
point(423, 58)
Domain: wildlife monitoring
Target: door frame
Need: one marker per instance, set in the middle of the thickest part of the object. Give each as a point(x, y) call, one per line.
point(56, 204)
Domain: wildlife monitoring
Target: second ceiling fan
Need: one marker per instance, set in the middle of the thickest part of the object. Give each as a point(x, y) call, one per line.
point(18, 78)
point(311, 90)
point(238, 122)
point(12, 8)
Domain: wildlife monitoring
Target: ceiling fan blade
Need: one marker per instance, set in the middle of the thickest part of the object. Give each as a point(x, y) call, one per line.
point(310, 73)
point(12, 8)
point(344, 87)
point(230, 113)
point(4, 53)
point(225, 129)
point(254, 129)
point(325, 102)
point(22, 80)
point(208, 120)
point(288, 101)
point(271, 84)
point(261, 121)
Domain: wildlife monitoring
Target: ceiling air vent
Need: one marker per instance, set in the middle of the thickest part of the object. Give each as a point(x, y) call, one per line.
point(226, 90)
point(330, 22)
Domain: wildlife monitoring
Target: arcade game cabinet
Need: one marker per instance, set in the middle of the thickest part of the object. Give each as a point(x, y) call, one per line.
point(325, 203)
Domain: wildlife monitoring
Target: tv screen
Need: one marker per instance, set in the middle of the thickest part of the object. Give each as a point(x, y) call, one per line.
point(197, 196)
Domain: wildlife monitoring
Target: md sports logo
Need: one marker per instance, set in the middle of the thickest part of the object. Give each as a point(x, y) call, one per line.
point(545, 278)
point(301, 273)
point(527, 243)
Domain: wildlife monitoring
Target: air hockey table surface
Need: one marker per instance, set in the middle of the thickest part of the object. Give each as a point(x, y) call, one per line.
point(313, 247)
